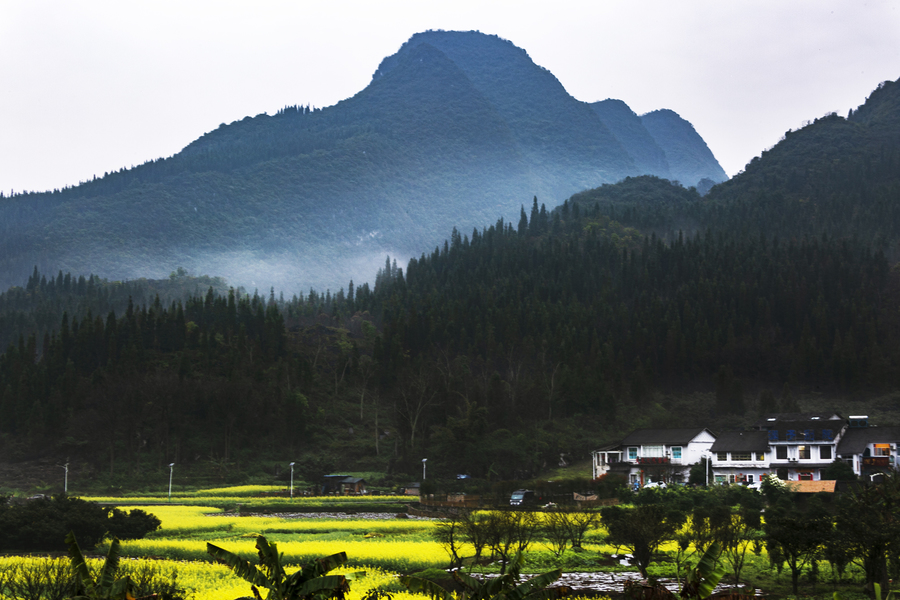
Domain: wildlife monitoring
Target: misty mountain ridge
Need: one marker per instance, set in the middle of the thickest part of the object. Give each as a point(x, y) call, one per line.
point(456, 129)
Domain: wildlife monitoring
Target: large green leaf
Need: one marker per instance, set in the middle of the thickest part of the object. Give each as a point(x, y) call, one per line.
point(535, 586)
point(108, 572)
point(706, 576)
point(331, 585)
point(242, 568)
point(270, 560)
point(77, 559)
point(423, 586)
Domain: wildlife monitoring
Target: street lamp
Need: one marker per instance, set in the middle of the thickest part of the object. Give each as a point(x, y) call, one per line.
point(171, 468)
point(292, 480)
point(424, 460)
point(708, 456)
point(66, 485)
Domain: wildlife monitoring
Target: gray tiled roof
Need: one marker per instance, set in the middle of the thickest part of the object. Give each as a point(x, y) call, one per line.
point(855, 439)
point(741, 441)
point(663, 437)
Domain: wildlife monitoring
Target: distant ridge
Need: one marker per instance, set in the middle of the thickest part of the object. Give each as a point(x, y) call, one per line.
point(456, 129)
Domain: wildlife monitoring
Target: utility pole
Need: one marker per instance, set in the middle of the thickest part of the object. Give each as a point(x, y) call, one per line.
point(292, 481)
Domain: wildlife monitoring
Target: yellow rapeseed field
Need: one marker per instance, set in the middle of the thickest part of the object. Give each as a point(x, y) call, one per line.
point(209, 581)
point(191, 521)
point(403, 555)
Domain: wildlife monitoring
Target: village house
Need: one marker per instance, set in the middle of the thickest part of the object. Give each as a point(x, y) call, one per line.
point(794, 447)
point(654, 455)
point(867, 449)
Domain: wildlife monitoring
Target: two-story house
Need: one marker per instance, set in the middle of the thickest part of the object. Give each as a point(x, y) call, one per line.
point(794, 447)
point(869, 450)
point(654, 455)
point(740, 457)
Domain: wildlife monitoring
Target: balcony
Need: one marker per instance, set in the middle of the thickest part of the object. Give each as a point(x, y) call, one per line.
point(877, 461)
point(653, 460)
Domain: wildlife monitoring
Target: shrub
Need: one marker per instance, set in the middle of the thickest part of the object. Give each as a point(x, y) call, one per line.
point(42, 524)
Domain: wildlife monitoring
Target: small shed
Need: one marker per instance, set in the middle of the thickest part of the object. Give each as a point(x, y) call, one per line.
point(412, 489)
point(344, 485)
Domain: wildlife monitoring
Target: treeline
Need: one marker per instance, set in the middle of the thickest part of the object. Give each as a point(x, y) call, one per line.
point(482, 353)
point(146, 381)
point(37, 308)
point(591, 316)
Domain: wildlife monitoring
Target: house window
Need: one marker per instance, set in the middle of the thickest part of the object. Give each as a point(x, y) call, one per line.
point(803, 452)
point(676, 452)
point(825, 452)
point(653, 452)
point(740, 456)
point(760, 456)
point(882, 449)
point(805, 476)
point(722, 456)
point(632, 454)
point(781, 452)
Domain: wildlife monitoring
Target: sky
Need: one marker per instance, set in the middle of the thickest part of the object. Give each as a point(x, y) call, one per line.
point(88, 87)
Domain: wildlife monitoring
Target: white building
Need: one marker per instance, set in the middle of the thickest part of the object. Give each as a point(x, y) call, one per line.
point(869, 450)
point(792, 447)
point(654, 455)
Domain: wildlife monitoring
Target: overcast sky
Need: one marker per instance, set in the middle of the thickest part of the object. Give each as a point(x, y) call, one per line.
point(89, 87)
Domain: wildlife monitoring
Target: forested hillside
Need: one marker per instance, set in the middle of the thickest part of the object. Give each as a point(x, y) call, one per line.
point(491, 355)
point(455, 129)
point(635, 304)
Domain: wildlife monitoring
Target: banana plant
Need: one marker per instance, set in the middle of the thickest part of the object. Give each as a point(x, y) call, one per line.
point(309, 583)
point(703, 579)
point(106, 586)
point(504, 587)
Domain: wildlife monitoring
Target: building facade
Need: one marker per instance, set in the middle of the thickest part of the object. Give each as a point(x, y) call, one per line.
point(654, 455)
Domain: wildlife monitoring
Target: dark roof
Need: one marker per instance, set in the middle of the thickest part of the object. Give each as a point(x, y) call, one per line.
point(664, 437)
point(353, 480)
point(855, 439)
point(609, 447)
point(741, 441)
point(799, 431)
point(765, 421)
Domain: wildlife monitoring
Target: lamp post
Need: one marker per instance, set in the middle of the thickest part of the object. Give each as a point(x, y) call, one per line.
point(708, 456)
point(292, 481)
point(171, 468)
point(424, 460)
point(66, 484)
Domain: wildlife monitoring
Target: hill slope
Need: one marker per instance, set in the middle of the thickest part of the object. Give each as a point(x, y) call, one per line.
point(455, 129)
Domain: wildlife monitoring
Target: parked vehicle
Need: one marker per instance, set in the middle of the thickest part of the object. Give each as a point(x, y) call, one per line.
point(520, 497)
